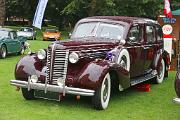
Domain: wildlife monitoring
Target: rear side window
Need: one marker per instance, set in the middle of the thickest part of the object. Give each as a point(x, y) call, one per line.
point(159, 33)
point(150, 33)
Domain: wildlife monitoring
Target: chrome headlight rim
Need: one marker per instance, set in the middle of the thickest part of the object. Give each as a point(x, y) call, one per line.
point(34, 78)
point(41, 54)
point(73, 57)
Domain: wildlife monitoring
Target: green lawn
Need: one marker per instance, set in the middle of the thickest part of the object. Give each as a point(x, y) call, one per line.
point(128, 105)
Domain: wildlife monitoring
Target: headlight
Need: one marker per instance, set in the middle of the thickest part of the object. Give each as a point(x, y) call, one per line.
point(34, 78)
point(41, 54)
point(73, 57)
point(60, 82)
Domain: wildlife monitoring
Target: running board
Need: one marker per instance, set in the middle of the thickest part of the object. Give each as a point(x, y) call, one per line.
point(141, 79)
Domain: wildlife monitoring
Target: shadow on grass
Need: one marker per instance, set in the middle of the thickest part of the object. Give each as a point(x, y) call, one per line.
point(70, 101)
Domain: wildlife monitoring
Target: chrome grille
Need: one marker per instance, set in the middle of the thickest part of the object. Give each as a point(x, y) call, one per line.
point(57, 62)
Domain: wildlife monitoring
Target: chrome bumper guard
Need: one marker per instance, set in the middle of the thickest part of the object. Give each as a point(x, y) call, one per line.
point(52, 88)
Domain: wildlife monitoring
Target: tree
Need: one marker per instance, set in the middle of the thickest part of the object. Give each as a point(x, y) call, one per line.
point(2, 12)
point(24, 9)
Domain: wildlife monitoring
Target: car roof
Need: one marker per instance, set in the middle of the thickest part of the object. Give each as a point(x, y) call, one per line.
point(124, 19)
point(6, 29)
point(26, 28)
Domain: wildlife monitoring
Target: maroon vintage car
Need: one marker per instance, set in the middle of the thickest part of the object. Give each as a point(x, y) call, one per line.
point(104, 53)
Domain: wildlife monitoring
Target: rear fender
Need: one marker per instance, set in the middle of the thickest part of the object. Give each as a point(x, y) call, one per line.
point(166, 58)
point(157, 60)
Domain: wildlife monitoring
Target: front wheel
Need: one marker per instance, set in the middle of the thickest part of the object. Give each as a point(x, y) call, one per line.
point(101, 98)
point(28, 95)
point(3, 51)
point(161, 72)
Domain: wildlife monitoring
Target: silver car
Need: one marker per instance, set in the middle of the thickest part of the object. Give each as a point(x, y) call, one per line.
point(27, 32)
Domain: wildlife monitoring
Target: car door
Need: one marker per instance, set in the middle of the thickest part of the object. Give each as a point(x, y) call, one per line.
point(150, 47)
point(135, 47)
point(16, 45)
point(9, 43)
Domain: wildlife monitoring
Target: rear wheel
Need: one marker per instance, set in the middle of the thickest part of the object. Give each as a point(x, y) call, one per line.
point(28, 95)
point(101, 98)
point(160, 76)
point(3, 51)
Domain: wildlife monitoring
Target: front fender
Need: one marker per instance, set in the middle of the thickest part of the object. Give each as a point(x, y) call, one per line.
point(92, 76)
point(1, 43)
point(30, 65)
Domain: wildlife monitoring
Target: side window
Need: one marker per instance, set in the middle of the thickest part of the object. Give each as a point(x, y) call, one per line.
point(135, 34)
point(13, 35)
point(159, 33)
point(150, 33)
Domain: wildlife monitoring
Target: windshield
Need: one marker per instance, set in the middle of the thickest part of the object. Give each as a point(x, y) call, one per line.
point(3, 34)
point(97, 29)
point(26, 29)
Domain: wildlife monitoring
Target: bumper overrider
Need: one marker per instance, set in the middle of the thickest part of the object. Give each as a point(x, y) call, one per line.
point(52, 88)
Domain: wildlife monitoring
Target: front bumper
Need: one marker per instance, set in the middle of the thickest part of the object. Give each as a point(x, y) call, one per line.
point(52, 88)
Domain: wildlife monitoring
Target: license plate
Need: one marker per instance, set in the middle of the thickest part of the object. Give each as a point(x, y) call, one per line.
point(49, 95)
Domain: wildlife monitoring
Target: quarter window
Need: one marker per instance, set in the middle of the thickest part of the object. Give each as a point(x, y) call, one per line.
point(159, 33)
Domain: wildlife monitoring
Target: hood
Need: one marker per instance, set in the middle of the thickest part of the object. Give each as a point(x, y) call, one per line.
point(21, 33)
point(86, 44)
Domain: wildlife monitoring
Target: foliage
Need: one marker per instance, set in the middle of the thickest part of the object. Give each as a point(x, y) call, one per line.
point(2, 12)
point(65, 13)
point(21, 9)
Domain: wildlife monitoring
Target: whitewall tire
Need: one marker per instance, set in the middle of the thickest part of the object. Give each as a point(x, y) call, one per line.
point(102, 96)
point(124, 59)
point(161, 73)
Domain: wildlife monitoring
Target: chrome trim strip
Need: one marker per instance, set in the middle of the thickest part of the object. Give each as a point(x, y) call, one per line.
point(53, 88)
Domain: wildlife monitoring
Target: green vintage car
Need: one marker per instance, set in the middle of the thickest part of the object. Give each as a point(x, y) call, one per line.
point(11, 43)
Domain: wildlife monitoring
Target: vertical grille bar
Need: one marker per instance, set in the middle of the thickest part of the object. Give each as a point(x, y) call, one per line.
point(57, 68)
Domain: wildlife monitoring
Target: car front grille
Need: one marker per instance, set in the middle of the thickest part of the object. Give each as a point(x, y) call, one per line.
point(57, 62)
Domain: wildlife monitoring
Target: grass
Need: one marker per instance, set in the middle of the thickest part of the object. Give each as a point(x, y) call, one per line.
point(127, 105)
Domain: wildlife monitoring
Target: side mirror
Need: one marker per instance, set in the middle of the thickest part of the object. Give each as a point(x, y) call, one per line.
point(132, 39)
